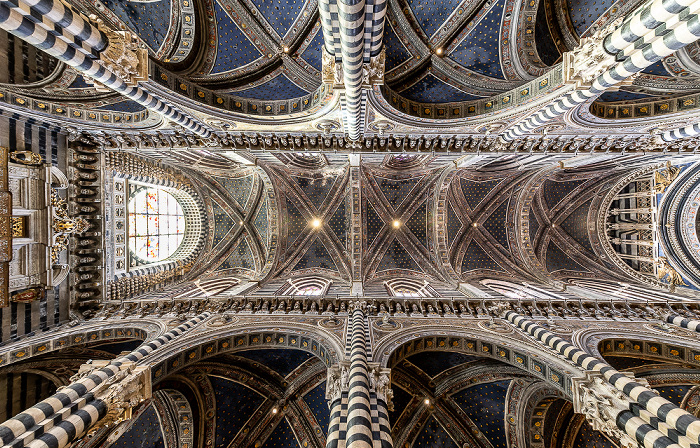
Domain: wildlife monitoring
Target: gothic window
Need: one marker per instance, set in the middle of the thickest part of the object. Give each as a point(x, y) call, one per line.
point(207, 288)
point(156, 224)
point(305, 286)
point(410, 288)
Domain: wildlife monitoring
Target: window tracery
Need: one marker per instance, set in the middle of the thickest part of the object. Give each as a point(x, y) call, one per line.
point(156, 224)
point(305, 286)
point(410, 288)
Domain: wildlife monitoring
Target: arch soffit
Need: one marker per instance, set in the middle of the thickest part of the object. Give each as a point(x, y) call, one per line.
point(21, 350)
point(503, 345)
point(273, 335)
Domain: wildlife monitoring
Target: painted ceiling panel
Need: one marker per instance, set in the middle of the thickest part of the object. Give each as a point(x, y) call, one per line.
point(434, 436)
point(557, 260)
point(116, 348)
point(146, 432)
point(453, 224)
point(622, 95)
point(588, 438)
point(432, 90)
point(576, 225)
point(475, 192)
point(584, 12)
point(234, 49)
point(79, 83)
point(434, 363)
point(122, 106)
point(495, 224)
point(338, 224)
point(479, 51)
point(316, 401)
point(374, 224)
point(282, 361)
point(401, 400)
point(295, 222)
point(432, 13)
point(280, 14)
point(533, 223)
point(418, 223)
point(241, 257)
point(674, 394)
point(554, 192)
point(235, 404)
point(316, 256)
point(313, 53)
point(546, 48)
point(281, 437)
point(657, 68)
point(395, 191)
point(222, 223)
point(396, 53)
point(485, 404)
point(239, 188)
point(149, 20)
point(476, 258)
point(261, 224)
point(623, 362)
point(278, 88)
point(397, 258)
point(316, 189)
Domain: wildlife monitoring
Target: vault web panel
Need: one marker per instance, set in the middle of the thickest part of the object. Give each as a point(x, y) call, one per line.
point(234, 49)
point(313, 52)
point(316, 401)
point(434, 436)
point(576, 225)
point(374, 224)
point(479, 51)
point(476, 258)
point(282, 361)
point(485, 404)
point(433, 90)
point(418, 223)
point(261, 224)
point(150, 21)
point(295, 222)
point(144, 433)
point(587, 437)
point(122, 106)
point(397, 258)
point(534, 224)
point(474, 192)
point(395, 191)
point(278, 88)
point(495, 224)
point(280, 14)
point(316, 256)
point(584, 12)
point(430, 14)
point(434, 363)
point(222, 223)
point(396, 53)
point(235, 404)
point(338, 223)
point(316, 189)
point(674, 394)
point(657, 68)
point(281, 437)
point(557, 260)
point(401, 400)
point(240, 258)
point(453, 224)
point(554, 192)
point(239, 188)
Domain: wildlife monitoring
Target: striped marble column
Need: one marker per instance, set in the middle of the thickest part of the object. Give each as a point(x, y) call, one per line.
point(667, 421)
point(15, 23)
point(333, 439)
point(359, 429)
point(70, 412)
point(384, 427)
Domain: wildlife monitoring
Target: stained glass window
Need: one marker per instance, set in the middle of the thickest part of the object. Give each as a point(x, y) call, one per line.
point(156, 224)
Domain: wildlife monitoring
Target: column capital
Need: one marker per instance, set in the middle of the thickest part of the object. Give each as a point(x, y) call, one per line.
point(122, 392)
point(380, 382)
point(589, 60)
point(601, 402)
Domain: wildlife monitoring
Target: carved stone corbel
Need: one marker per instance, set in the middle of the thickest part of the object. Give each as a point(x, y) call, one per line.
point(380, 383)
point(373, 72)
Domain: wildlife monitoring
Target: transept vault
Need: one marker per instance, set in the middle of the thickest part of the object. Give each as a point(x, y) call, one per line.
point(349, 223)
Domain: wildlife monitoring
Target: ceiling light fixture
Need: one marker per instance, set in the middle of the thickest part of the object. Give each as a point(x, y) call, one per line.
point(316, 223)
point(397, 223)
point(438, 51)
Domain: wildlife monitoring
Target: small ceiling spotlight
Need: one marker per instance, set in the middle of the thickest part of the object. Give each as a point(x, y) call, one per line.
point(475, 224)
point(285, 49)
point(396, 223)
point(316, 223)
point(274, 410)
point(438, 52)
point(427, 402)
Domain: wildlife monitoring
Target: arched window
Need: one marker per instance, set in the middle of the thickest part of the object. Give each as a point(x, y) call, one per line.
point(410, 288)
point(156, 224)
point(164, 224)
point(207, 288)
point(305, 286)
